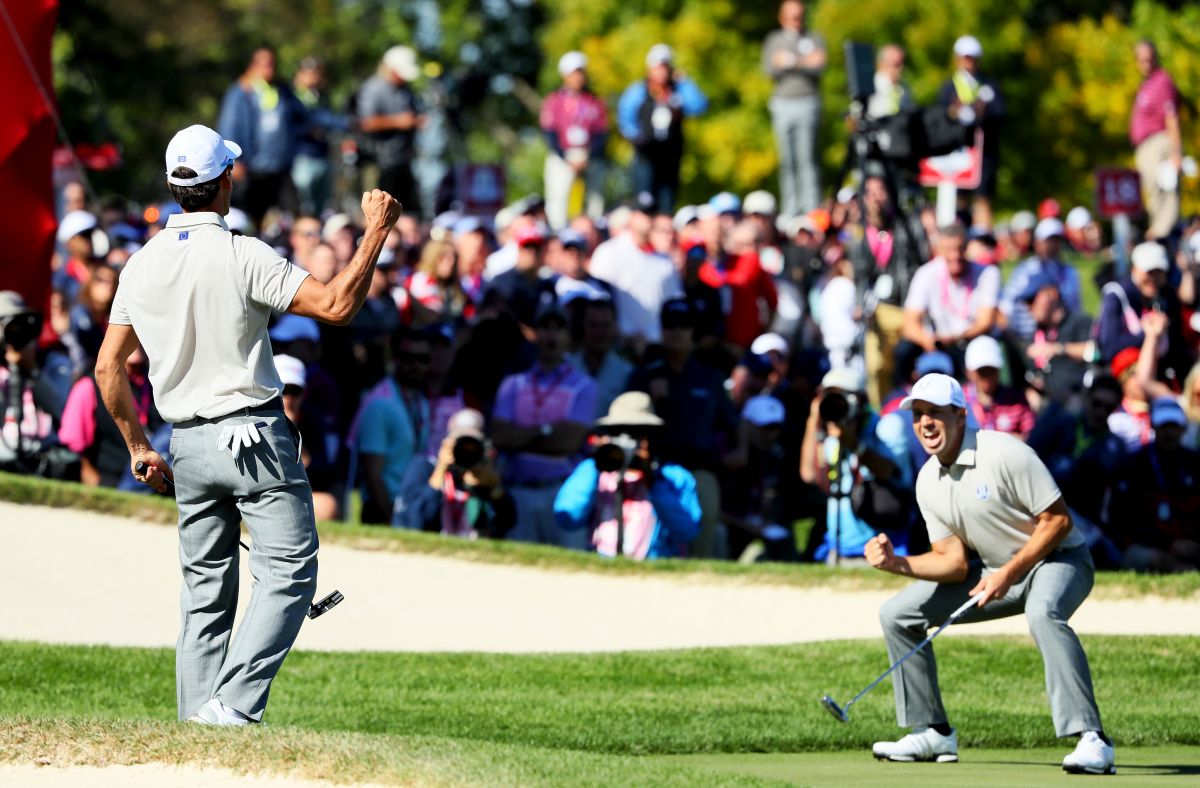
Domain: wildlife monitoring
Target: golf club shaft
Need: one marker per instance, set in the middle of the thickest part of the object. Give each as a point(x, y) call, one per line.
point(957, 614)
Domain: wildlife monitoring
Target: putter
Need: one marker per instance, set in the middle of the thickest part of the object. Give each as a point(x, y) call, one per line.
point(843, 713)
point(316, 609)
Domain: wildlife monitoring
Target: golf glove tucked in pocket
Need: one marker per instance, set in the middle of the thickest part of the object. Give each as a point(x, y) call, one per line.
point(239, 436)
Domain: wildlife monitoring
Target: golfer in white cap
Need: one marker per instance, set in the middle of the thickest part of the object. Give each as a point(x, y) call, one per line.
point(197, 299)
point(986, 492)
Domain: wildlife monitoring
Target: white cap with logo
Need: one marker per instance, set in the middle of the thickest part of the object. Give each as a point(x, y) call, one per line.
point(936, 389)
point(202, 150)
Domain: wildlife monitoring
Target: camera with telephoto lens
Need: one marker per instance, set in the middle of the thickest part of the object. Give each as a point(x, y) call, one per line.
point(839, 408)
point(617, 454)
point(468, 451)
point(19, 330)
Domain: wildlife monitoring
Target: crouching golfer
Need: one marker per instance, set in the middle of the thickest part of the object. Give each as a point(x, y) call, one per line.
point(988, 492)
point(198, 299)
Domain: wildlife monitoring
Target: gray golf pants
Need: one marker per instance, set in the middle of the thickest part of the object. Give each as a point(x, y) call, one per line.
point(1048, 596)
point(796, 122)
point(268, 489)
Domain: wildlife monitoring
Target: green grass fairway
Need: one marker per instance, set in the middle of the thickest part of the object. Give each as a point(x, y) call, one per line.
point(1139, 766)
point(582, 718)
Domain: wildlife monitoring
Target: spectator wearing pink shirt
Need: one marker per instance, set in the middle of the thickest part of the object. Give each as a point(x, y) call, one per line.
point(1158, 147)
point(575, 122)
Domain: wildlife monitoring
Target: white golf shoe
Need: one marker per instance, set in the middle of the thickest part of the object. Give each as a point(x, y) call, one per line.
point(1091, 756)
point(923, 744)
point(217, 713)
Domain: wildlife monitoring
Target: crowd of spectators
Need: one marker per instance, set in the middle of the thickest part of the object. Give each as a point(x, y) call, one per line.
point(654, 381)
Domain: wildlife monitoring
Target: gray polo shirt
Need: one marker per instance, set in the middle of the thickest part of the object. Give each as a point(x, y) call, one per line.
point(989, 497)
point(199, 298)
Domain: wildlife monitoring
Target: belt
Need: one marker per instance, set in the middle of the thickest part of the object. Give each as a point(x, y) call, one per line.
point(273, 406)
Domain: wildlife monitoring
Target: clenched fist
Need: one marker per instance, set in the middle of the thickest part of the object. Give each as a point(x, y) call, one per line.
point(879, 552)
point(380, 209)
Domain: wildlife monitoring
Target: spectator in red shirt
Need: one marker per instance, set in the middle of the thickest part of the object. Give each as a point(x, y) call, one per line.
point(575, 122)
point(1154, 132)
point(995, 406)
point(744, 286)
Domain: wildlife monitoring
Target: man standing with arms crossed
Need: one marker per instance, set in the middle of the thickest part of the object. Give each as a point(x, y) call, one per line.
point(198, 299)
point(987, 491)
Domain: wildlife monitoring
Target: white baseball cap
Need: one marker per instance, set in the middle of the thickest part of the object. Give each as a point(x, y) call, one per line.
point(844, 379)
point(683, 217)
point(1048, 228)
point(75, 223)
point(659, 54)
point(1078, 218)
point(1149, 256)
point(1022, 221)
point(763, 411)
point(403, 61)
point(759, 202)
point(936, 389)
point(768, 343)
point(291, 370)
point(571, 62)
point(984, 351)
point(968, 46)
point(201, 149)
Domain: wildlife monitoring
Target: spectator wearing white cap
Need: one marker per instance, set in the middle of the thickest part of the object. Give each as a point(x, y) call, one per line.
point(260, 113)
point(795, 58)
point(575, 124)
point(1156, 502)
point(389, 116)
point(996, 406)
point(975, 100)
point(1046, 261)
point(854, 454)
point(1083, 234)
point(1124, 306)
point(650, 114)
point(1020, 236)
point(74, 235)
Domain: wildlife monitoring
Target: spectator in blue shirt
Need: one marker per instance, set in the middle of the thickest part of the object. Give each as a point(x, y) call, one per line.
point(1047, 245)
point(262, 115)
point(622, 495)
point(650, 115)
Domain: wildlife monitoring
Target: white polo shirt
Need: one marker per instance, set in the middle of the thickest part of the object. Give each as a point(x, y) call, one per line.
point(990, 497)
point(199, 298)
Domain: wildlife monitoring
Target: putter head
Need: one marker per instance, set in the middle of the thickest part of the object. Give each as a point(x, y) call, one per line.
point(323, 606)
point(831, 706)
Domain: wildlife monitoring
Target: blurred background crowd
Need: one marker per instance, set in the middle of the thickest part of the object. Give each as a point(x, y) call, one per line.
point(619, 361)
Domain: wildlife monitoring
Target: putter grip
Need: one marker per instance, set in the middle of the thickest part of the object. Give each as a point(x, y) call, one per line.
point(970, 603)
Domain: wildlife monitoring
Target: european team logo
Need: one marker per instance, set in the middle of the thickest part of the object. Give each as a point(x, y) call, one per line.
point(982, 492)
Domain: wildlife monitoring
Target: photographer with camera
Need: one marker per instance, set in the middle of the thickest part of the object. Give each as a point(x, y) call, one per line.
point(460, 494)
point(30, 405)
point(861, 460)
point(634, 505)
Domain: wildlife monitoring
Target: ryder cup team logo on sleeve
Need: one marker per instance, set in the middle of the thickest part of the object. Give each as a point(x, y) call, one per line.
point(983, 492)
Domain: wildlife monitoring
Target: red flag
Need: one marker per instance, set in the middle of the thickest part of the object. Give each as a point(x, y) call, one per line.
point(27, 135)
